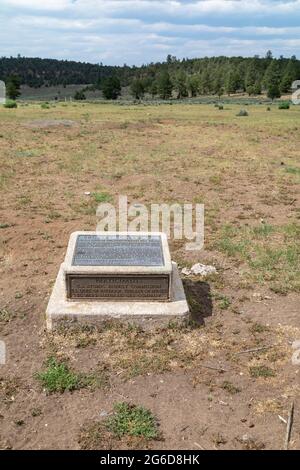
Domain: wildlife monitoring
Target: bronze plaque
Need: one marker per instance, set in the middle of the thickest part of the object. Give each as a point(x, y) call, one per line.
point(118, 250)
point(118, 287)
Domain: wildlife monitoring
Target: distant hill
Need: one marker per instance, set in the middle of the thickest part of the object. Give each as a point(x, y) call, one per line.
point(187, 77)
point(36, 72)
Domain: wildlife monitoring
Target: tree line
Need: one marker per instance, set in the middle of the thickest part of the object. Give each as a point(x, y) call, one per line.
point(171, 78)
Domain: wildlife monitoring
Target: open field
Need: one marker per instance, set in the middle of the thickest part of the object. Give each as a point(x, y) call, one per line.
point(203, 392)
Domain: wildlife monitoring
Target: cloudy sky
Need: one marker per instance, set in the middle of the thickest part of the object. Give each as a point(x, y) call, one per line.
point(141, 31)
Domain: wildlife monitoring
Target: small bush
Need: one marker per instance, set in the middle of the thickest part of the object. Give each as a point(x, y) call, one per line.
point(284, 105)
point(132, 420)
point(268, 108)
point(45, 106)
point(10, 104)
point(242, 112)
point(79, 95)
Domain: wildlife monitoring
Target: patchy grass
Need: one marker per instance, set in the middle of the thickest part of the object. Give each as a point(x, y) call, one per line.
point(9, 387)
point(230, 388)
point(271, 253)
point(128, 427)
point(258, 328)
point(251, 235)
point(27, 153)
point(132, 420)
point(293, 170)
point(5, 315)
point(57, 377)
point(101, 197)
point(261, 371)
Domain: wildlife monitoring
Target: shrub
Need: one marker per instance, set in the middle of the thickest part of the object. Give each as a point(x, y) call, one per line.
point(10, 104)
point(284, 105)
point(45, 106)
point(79, 95)
point(242, 112)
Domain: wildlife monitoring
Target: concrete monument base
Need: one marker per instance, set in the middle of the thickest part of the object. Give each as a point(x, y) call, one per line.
point(146, 314)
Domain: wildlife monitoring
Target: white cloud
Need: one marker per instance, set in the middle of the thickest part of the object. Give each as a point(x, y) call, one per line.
point(139, 31)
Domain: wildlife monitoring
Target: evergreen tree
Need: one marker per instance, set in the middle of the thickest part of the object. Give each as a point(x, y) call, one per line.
point(193, 85)
point(79, 95)
point(13, 85)
point(205, 83)
point(137, 88)
point(153, 88)
point(253, 77)
point(273, 91)
point(272, 80)
point(180, 84)
point(272, 74)
point(290, 75)
point(232, 83)
point(218, 86)
point(111, 88)
point(164, 85)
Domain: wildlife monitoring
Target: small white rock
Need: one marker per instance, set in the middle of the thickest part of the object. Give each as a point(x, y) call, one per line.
point(296, 344)
point(87, 193)
point(186, 271)
point(296, 358)
point(203, 269)
point(199, 269)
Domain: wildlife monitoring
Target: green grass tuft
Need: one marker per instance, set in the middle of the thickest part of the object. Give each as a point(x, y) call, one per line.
point(132, 420)
point(57, 377)
point(261, 371)
point(293, 170)
point(101, 197)
point(230, 388)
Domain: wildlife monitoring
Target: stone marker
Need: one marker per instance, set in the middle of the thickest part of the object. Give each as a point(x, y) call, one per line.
point(125, 275)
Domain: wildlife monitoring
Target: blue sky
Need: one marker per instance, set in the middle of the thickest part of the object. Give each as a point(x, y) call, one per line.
point(140, 31)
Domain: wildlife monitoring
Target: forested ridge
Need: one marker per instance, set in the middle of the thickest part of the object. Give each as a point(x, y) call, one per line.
point(186, 77)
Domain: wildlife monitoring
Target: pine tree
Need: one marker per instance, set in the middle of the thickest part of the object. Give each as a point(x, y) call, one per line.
point(205, 83)
point(289, 76)
point(218, 86)
point(272, 80)
point(153, 88)
point(273, 92)
point(272, 74)
point(13, 85)
point(137, 88)
point(193, 85)
point(111, 88)
point(79, 95)
point(164, 85)
point(232, 83)
point(180, 84)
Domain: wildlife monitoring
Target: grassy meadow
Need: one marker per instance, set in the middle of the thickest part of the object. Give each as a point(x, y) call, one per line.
point(246, 171)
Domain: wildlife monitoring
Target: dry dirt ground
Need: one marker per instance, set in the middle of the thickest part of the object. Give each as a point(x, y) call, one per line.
point(205, 389)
